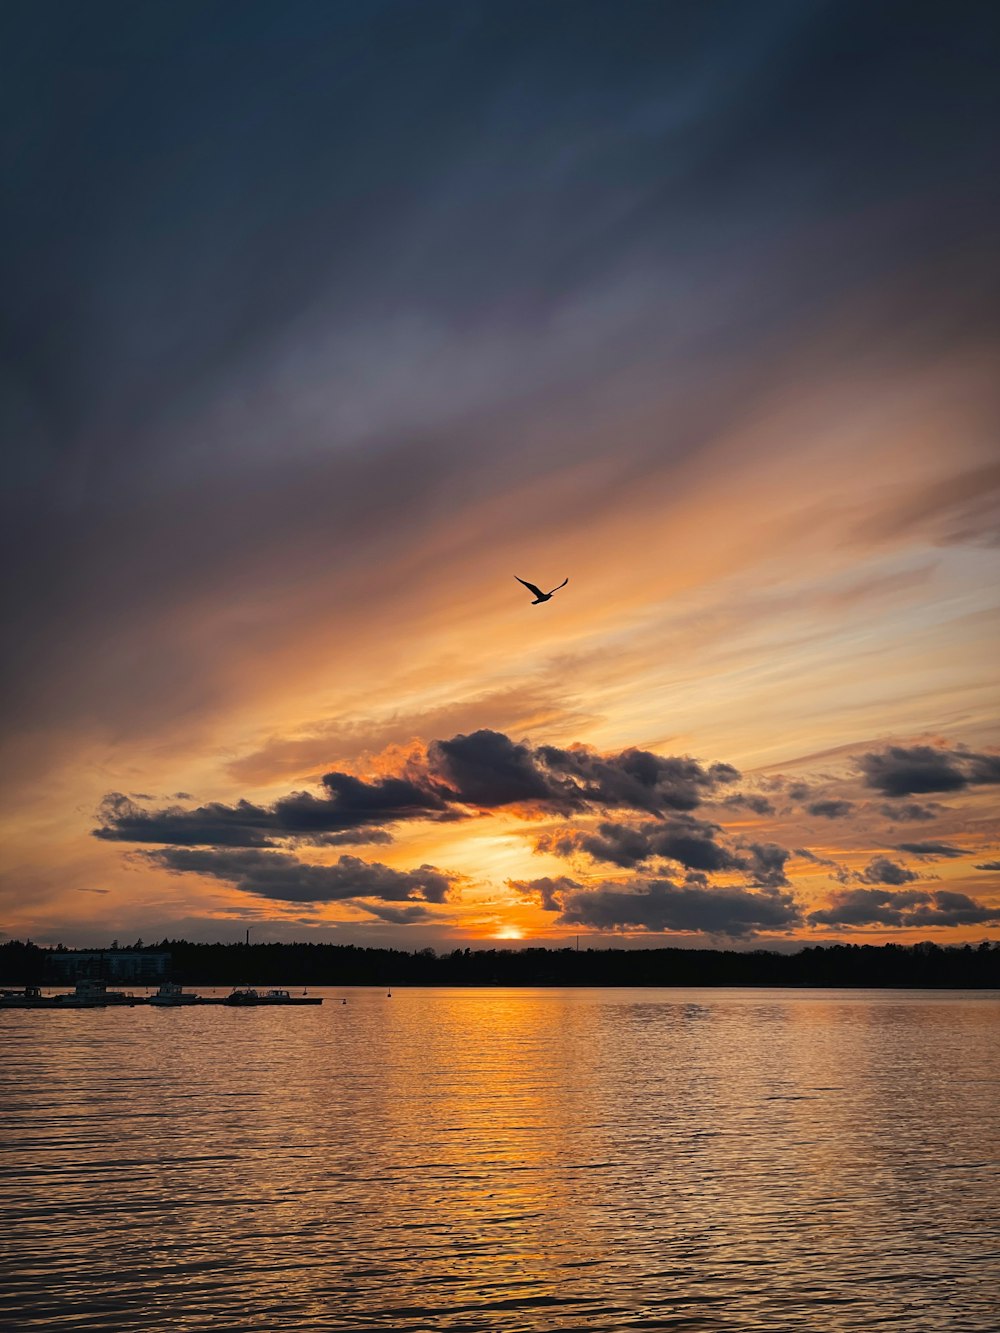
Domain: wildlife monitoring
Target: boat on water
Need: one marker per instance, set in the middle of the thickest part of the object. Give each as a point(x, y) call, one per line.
point(32, 998)
point(95, 995)
point(247, 996)
point(99, 993)
point(86, 995)
point(171, 995)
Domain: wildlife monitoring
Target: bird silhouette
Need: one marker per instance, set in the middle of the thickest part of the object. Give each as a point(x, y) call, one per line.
point(539, 595)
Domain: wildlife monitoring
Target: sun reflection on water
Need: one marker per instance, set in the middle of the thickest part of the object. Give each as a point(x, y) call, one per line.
point(503, 1159)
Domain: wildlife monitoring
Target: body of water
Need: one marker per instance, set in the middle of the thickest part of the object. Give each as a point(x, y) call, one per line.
point(506, 1160)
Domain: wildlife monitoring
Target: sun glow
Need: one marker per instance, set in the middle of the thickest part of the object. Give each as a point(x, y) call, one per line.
point(510, 933)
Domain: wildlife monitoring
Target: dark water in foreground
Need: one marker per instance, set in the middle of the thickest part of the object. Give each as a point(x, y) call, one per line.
point(508, 1160)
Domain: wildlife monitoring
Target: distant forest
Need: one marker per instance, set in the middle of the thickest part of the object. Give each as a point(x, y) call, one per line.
point(887, 965)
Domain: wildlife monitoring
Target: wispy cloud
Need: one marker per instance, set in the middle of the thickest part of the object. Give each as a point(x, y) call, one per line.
point(321, 329)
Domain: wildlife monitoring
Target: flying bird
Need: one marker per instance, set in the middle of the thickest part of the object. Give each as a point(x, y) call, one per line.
point(539, 595)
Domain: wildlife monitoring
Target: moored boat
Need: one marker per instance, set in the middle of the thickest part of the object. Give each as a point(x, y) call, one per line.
point(171, 995)
point(32, 998)
point(246, 996)
point(98, 993)
point(95, 995)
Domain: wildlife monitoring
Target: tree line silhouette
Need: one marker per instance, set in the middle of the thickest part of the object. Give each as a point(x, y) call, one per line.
point(924, 965)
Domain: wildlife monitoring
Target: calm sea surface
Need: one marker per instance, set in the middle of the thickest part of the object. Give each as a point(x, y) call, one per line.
point(507, 1160)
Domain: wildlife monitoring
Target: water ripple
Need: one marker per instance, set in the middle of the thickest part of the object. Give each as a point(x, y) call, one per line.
point(507, 1161)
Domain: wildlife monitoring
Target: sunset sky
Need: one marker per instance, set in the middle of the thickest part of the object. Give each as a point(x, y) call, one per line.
point(324, 321)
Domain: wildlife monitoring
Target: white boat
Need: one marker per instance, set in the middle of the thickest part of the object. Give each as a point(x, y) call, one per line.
point(246, 995)
point(284, 997)
point(96, 992)
point(171, 995)
point(32, 998)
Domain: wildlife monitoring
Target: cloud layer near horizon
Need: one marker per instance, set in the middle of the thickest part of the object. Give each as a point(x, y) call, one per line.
point(736, 883)
point(485, 770)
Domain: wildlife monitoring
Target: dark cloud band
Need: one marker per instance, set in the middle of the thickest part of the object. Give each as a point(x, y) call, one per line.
point(660, 905)
point(485, 770)
point(282, 877)
point(917, 770)
point(906, 907)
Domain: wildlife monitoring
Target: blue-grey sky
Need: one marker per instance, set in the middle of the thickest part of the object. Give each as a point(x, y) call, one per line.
point(321, 321)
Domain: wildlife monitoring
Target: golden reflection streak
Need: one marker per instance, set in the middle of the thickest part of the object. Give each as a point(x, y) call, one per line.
point(507, 1119)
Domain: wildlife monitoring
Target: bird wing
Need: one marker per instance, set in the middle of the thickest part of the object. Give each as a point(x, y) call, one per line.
point(531, 587)
point(562, 585)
